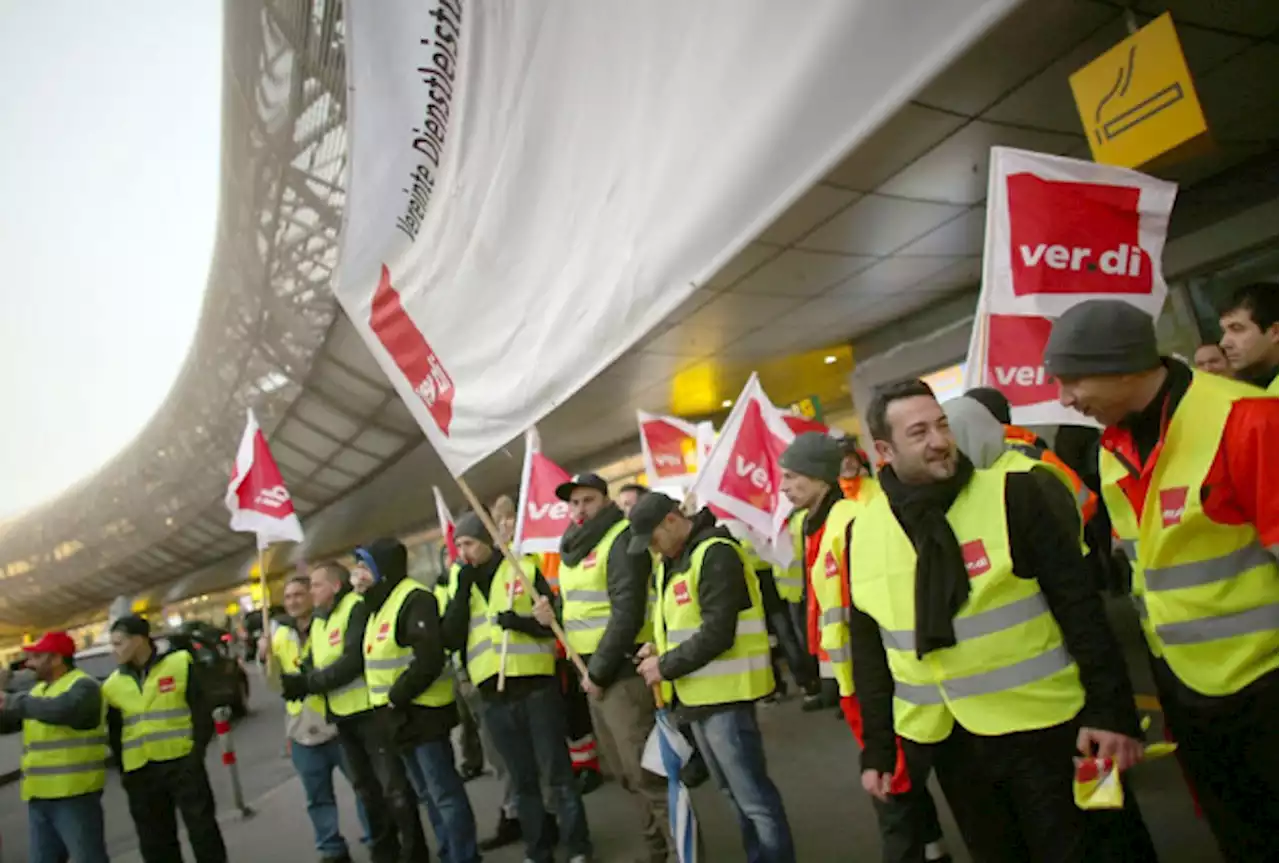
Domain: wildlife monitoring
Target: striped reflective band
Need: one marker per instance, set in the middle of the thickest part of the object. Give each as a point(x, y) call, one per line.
point(586, 596)
point(379, 690)
point(350, 686)
point(986, 622)
point(839, 614)
point(171, 734)
point(478, 620)
point(524, 648)
point(738, 665)
point(154, 715)
point(825, 669)
point(50, 745)
point(745, 627)
point(476, 650)
point(1261, 619)
point(840, 654)
point(789, 580)
point(583, 624)
point(388, 664)
point(1209, 571)
point(987, 682)
point(1082, 495)
point(95, 764)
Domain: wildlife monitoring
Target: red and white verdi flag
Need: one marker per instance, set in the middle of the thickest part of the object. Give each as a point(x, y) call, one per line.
point(446, 524)
point(451, 230)
point(1059, 231)
point(258, 501)
point(542, 518)
point(742, 479)
point(670, 449)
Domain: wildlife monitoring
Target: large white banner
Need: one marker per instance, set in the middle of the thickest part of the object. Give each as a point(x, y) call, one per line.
point(1059, 231)
point(533, 185)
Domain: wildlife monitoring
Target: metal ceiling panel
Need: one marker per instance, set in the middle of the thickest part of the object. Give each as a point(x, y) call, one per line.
point(812, 209)
point(802, 273)
point(905, 137)
point(963, 235)
point(745, 262)
point(878, 226)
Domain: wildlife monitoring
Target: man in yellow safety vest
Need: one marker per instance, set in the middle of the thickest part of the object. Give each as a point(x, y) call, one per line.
point(1188, 463)
point(160, 725)
point(978, 641)
point(710, 655)
point(64, 754)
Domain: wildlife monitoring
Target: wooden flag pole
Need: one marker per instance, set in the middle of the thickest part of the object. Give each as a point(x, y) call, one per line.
point(267, 657)
point(518, 565)
point(506, 639)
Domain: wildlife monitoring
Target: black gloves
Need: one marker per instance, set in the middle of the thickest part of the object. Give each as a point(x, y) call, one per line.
point(511, 620)
point(293, 686)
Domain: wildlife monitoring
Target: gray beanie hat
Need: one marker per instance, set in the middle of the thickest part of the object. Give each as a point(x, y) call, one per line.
point(469, 524)
point(814, 454)
point(1101, 337)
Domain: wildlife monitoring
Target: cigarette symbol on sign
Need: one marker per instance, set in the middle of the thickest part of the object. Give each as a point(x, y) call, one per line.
point(1114, 126)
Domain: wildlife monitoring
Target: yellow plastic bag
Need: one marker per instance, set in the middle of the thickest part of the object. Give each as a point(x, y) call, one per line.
point(1097, 782)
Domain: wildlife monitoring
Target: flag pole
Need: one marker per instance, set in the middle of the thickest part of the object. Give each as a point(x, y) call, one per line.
point(487, 521)
point(267, 657)
point(506, 639)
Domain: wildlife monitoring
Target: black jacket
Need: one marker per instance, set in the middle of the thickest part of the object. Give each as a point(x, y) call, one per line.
point(79, 708)
point(1047, 550)
point(349, 665)
point(201, 709)
point(418, 628)
point(627, 580)
point(722, 595)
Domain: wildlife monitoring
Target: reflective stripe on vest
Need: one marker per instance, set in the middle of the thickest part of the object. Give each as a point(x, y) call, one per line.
point(155, 719)
point(1206, 592)
point(526, 656)
point(827, 580)
point(385, 658)
point(585, 595)
point(744, 671)
point(326, 641)
point(1009, 670)
point(287, 646)
point(58, 761)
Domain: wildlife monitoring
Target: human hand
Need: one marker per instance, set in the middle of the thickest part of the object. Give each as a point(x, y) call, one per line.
point(648, 669)
point(543, 611)
point(507, 620)
point(264, 647)
point(293, 687)
point(876, 783)
point(646, 650)
point(1120, 749)
point(589, 686)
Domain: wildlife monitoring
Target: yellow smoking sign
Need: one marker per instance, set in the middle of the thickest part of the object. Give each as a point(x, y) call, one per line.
point(1137, 101)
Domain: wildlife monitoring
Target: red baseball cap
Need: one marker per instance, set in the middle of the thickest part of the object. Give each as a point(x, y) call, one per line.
point(53, 642)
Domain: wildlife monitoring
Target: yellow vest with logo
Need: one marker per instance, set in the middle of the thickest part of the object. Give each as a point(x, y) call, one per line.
point(825, 577)
point(326, 640)
point(790, 580)
point(288, 649)
point(156, 720)
point(385, 659)
point(58, 761)
point(744, 671)
point(584, 595)
point(1009, 670)
point(526, 656)
point(1206, 592)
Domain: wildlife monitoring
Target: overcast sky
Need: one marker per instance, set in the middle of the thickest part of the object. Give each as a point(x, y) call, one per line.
point(109, 180)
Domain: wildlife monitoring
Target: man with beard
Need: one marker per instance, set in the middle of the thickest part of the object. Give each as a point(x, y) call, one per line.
point(979, 641)
point(604, 592)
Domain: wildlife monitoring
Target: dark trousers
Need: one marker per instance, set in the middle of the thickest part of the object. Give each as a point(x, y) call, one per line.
point(1012, 799)
point(380, 782)
point(469, 731)
point(1228, 747)
point(907, 823)
point(157, 792)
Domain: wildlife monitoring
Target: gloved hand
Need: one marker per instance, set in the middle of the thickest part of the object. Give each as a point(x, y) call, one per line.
point(293, 686)
point(512, 621)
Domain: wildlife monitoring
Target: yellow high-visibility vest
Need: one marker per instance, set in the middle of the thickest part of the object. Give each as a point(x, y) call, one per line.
point(1015, 460)
point(156, 718)
point(526, 656)
point(826, 577)
point(58, 761)
point(288, 649)
point(744, 671)
point(385, 659)
point(326, 640)
point(790, 579)
point(1206, 592)
point(584, 594)
point(1009, 670)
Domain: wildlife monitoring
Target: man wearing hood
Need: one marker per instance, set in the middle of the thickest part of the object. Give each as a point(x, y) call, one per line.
point(526, 718)
point(412, 695)
point(978, 641)
point(604, 593)
point(710, 655)
point(334, 668)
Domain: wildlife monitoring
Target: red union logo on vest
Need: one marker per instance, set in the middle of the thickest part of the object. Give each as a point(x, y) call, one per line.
point(831, 565)
point(1075, 238)
point(1015, 359)
point(976, 561)
point(166, 684)
point(1173, 503)
point(515, 588)
point(681, 592)
point(383, 631)
point(335, 637)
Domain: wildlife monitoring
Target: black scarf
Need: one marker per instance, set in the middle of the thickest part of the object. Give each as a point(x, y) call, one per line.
point(580, 539)
point(942, 584)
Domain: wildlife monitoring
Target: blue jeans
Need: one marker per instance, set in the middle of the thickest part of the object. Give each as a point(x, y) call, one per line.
point(315, 766)
point(437, 784)
point(731, 744)
point(530, 734)
point(70, 826)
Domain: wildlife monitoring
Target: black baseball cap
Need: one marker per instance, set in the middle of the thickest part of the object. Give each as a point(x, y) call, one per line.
point(646, 515)
point(582, 480)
